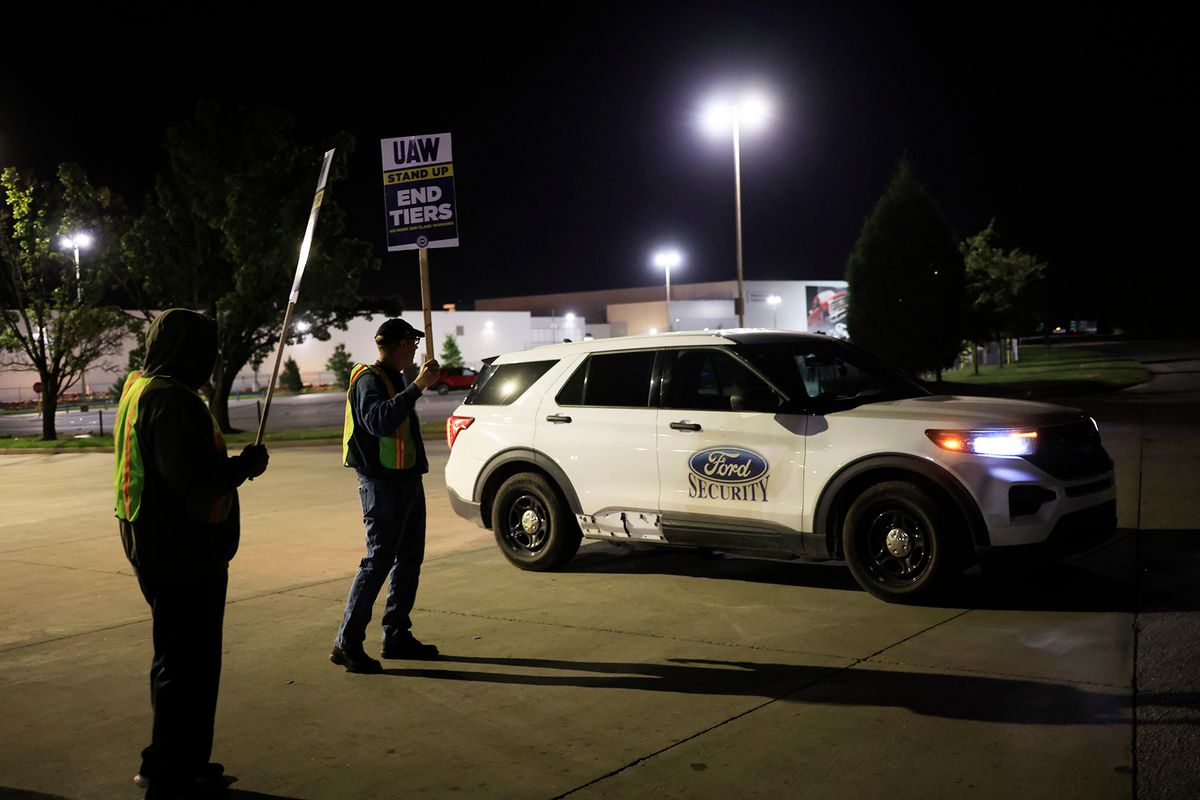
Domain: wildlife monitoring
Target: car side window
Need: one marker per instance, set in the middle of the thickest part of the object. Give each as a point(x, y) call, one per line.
point(502, 384)
point(610, 379)
point(709, 380)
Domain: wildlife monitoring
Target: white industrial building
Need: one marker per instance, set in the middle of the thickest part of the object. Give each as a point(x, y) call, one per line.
point(505, 324)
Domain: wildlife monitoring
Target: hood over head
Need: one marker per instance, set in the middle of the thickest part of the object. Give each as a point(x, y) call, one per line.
point(181, 344)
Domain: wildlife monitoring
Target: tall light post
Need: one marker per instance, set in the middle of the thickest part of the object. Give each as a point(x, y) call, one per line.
point(720, 116)
point(773, 301)
point(667, 259)
point(74, 242)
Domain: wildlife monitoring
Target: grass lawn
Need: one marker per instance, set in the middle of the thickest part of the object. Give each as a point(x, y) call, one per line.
point(1048, 371)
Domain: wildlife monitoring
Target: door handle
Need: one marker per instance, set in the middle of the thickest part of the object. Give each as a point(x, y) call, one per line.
point(685, 426)
point(556, 418)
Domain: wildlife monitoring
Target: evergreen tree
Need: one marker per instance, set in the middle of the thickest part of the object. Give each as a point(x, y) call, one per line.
point(289, 376)
point(340, 364)
point(451, 355)
point(905, 278)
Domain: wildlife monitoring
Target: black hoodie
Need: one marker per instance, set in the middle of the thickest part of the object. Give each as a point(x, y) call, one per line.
point(184, 457)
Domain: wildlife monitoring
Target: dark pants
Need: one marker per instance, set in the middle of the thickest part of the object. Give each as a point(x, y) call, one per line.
point(394, 516)
point(185, 674)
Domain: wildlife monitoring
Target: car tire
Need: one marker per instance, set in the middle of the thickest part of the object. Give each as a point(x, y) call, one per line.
point(442, 388)
point(533, 527)
point(895, 542)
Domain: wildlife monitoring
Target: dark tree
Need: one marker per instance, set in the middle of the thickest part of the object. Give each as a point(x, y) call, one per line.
point(906, 280)
point(340, 364)
point(222, 232)
point(54, 317)
point(289, 376)
point(1003, 289)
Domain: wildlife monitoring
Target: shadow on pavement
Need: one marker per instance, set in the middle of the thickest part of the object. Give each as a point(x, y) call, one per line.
point(605, 558)
point(965, 697)
point(1170, 570)
point(9, 793)
point(1101, 581)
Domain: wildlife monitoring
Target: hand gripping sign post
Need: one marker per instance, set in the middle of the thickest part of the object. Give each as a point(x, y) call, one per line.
point(305, 246)
point(418, 198)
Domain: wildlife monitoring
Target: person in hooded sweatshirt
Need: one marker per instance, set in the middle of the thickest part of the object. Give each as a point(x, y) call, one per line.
point(177, 508)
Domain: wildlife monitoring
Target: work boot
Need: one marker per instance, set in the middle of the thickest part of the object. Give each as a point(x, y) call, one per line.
point(355, 660)
point(407, 646)
point(209, 778)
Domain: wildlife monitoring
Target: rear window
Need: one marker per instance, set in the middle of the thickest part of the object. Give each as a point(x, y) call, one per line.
point(501, 384)
point(610, 379)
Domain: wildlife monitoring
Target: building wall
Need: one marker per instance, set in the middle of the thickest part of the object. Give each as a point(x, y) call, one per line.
point(483, 334)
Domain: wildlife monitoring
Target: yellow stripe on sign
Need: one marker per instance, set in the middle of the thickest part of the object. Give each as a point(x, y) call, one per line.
point(317, 200)
point(418, 174)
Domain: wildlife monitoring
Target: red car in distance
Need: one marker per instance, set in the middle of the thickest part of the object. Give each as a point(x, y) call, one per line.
point(455, 378)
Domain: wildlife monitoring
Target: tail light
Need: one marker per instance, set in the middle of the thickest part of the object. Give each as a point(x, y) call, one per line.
point(455, 426)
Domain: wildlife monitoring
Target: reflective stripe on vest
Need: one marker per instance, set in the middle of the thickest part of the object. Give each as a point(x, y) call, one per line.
point(129, 474)
point(397, 451)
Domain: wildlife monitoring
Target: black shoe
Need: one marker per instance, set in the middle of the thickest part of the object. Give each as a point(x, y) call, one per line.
point(407, 646)
point(355, 661)
point(210, 777)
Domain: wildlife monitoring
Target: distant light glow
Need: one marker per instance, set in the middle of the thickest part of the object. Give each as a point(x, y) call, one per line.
point(79, 240)
point(668, 259)
point(774, 300)
point(750, 110)
point(303, 326)
point(489, 325)
point(654, 331)
point(570, 316)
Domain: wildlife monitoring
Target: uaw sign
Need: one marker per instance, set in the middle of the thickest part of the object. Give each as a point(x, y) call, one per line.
point(418, 192)
point(728, 473)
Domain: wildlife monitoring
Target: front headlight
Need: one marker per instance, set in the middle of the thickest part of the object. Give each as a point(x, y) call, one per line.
point(986, 443)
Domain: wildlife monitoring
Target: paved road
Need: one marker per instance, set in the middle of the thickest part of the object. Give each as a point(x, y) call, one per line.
point(298, 411)
point(628, 674)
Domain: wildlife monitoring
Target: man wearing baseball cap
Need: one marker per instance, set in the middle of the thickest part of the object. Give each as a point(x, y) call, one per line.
point(382, 442)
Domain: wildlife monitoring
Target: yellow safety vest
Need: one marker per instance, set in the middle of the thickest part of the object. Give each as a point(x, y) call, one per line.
point(129, 474)
point(397, 451)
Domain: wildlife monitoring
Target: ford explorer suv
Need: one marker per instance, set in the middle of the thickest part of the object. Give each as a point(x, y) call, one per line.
point(770, 443)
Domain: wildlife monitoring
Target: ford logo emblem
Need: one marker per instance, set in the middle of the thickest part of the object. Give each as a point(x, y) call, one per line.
point(728, 465)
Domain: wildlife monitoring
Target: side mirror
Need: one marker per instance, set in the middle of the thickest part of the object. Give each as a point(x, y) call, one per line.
point(754, 398)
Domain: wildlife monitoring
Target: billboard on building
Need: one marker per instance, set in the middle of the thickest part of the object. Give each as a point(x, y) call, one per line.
point(827, 306)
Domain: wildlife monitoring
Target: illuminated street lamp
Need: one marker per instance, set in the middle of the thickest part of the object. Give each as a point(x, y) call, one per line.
point(74, 242)
point(750, 111)
point(667, 259)
point(773, 301)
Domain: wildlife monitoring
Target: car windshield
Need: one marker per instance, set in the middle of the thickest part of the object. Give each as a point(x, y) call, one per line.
point(830, 373)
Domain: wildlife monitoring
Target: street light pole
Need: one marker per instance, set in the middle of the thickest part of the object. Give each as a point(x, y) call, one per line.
point(773, 301)
point(737, 196)
point(750, 110)
point(74, 241)
point(667, 259)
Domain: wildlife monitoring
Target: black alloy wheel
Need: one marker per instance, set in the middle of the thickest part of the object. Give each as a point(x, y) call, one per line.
point(533, 527)
point(894, 541)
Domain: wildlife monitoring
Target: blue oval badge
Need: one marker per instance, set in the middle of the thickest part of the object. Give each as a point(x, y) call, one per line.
point(728, 465)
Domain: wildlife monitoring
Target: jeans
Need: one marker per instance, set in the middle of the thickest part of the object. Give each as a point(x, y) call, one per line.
point(394, 516)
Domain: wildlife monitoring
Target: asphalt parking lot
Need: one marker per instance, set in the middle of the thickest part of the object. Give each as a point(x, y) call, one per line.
point(628, 674)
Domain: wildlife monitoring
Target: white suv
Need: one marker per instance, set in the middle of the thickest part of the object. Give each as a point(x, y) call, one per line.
point(773, 443)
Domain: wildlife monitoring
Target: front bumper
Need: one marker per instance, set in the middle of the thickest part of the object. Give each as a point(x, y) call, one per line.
point(1072, 533)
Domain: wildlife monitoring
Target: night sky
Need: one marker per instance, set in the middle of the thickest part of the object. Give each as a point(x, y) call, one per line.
point(578, 149)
